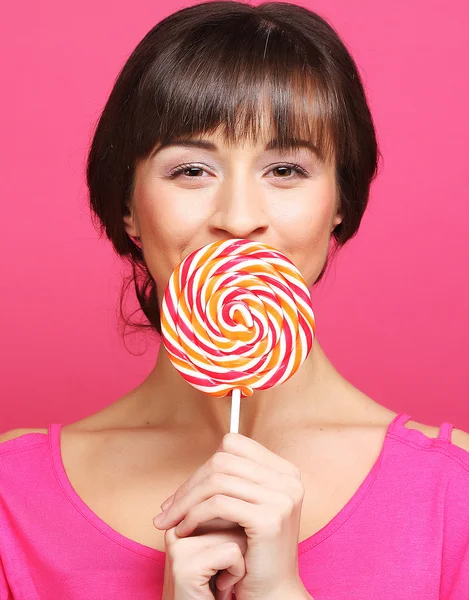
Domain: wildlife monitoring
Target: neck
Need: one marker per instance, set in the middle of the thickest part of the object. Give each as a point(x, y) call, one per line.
point(313, 393)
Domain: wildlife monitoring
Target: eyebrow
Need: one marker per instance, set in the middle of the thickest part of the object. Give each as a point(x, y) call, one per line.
point(290, 144)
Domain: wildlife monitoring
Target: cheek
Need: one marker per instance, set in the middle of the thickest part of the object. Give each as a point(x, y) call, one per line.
point(306, 218)
point(162, 230)
point(170, 212)
point(304, 228)
point(169, 221)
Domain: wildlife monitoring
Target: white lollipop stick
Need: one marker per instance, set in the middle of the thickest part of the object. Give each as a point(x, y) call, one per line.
point(235, 407)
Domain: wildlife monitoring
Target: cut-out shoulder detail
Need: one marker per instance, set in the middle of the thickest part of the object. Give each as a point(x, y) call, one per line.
point(15, 433)
point(458, 438)
point(428, 430)
point(461, 438)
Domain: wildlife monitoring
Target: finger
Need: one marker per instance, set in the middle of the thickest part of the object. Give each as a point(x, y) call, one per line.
point(203, 538)
point(225, 556)
point(231, 464)
point(226, 580)
point(226, 485)
point(235, 572)
point(236, 465)
point(230, 555)
point(240, 445)
point(247, 515)
point(216, 525)
point(208, 562)
point(167, 503)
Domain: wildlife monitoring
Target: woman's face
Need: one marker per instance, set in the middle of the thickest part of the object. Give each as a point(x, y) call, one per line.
point(188, 196)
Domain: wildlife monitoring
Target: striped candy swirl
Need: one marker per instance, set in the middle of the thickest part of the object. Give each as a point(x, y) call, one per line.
point(237, 314)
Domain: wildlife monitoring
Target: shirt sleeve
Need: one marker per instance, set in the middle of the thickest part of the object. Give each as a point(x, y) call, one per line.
point(454, 584)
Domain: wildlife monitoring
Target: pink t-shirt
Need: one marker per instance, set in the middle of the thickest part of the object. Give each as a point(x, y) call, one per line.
point(404, 535)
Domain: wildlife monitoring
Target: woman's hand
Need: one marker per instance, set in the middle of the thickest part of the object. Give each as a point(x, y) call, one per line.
point(245, 483)
point(192, 563)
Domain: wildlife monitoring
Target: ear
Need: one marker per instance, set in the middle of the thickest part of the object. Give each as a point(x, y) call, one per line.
point(130, 224)
point(337, 221)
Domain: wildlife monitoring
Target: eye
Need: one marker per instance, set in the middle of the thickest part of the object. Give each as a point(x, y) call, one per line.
point(195, 170)
point(182, 168)
point(291, 167)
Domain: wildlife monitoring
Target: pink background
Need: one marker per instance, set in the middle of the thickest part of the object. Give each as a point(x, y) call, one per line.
point(391, 314)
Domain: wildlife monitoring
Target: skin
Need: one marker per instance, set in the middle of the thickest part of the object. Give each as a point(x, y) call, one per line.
point(238, 192)
point(246, 192)
point(159, 440)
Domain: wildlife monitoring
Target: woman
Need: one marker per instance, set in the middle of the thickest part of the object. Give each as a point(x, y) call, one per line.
point(325, 493)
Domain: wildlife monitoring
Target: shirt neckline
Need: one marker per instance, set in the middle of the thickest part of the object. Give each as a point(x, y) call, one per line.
point(54, 437)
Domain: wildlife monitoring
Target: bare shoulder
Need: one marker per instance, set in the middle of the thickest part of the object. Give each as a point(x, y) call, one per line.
point(15, 433)
point(101, 420)
point(458, 436)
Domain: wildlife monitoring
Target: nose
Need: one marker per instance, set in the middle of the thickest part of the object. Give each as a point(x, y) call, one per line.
point(239, 210)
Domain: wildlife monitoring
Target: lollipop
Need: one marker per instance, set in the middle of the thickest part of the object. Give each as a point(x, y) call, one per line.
point(237, 317)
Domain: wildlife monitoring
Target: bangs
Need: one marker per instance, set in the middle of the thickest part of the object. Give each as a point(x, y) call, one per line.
point(247, 78)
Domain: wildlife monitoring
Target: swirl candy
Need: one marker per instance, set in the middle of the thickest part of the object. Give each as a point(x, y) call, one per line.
point(237, 316)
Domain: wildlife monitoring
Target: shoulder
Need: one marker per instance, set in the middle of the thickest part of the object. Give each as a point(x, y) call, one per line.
point(15, 433)
point(459, 437)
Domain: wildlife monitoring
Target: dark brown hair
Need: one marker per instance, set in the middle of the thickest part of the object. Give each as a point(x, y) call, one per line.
point(209, 65)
